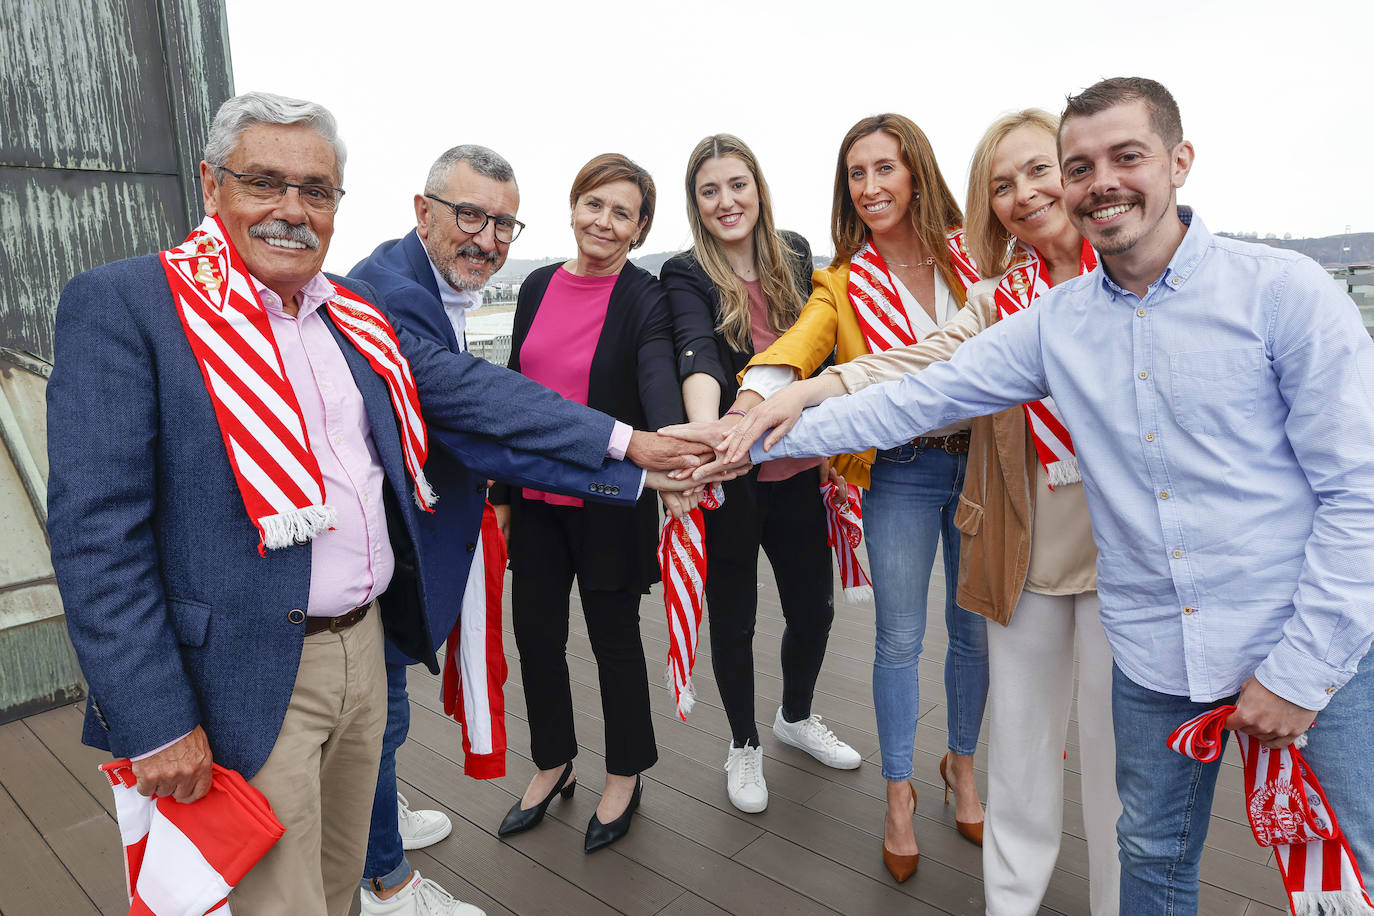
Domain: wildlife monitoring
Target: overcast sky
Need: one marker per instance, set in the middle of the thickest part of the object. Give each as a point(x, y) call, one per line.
point(1274, 95)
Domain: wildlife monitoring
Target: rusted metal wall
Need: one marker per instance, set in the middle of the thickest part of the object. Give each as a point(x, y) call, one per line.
point(106, 104)
point(104, 108)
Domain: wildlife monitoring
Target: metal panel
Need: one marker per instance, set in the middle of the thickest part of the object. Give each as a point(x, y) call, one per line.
point(84, 87)
point(58, 223)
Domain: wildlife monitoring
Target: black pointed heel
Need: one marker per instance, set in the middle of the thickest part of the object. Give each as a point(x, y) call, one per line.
point(600, 835)
point(519, 819)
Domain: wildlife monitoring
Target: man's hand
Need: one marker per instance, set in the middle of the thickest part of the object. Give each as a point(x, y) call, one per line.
point(664, 482)
point(1268, 717)
point(778, 414)
point(654, 452)
point(181, 771)
point(679, 504)
point(502, 520)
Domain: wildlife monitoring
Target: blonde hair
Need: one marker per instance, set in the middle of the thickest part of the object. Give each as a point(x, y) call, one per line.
point(772, 254)
point(932, 215)
point(987, 239)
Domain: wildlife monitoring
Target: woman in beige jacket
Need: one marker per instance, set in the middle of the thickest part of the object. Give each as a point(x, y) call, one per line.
point(1027, 559)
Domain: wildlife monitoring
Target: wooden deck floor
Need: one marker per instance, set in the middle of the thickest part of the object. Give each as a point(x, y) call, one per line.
point(815, 850)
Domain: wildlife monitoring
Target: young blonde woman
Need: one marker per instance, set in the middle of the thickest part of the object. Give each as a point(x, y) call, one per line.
point(740, 285)
point(900, 271)
point(1028, 558)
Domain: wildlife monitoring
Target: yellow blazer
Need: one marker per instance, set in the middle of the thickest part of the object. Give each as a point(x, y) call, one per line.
point(827, 322)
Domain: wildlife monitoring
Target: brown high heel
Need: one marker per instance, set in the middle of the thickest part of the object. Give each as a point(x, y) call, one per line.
point(971, 832)
point(902, 867)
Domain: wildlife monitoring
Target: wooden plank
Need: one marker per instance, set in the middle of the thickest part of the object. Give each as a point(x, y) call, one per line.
point(692, 905)
point(34, 882)
point(78, 830)
point(840, 888)
point(60, 731)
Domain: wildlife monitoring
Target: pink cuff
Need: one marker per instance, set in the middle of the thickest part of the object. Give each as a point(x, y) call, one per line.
point(158, 750)
point(620, 441)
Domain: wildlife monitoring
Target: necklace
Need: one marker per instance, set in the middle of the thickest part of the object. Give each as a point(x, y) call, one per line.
point(927, 262)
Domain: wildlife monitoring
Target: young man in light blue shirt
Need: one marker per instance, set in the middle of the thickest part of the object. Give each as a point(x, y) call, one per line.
point(1221, 399)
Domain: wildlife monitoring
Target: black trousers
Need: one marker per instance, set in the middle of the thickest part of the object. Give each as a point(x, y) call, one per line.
point(548, 546)
point(786, 518)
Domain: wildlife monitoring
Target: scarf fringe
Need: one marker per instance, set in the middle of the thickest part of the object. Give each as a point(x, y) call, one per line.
point(687, 698)
point(858, 594)
point(295, 527)
point(425, 497)
point(1330, 903)
point(1064, 471)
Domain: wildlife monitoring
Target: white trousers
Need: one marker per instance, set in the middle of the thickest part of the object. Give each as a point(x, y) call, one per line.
point(1031, 684)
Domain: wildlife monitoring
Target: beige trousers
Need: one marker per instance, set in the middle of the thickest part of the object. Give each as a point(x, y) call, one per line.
point(1030, 689)
point(321, 776)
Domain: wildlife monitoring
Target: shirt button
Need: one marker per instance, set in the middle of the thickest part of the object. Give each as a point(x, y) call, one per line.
point(1330, 690)
point(1144, 374)
point(1175, 281)
point(1163, 494)
point(1178, 554)
point(295, 615)
point(1190, 610)
point(1149, 437)
point(687, 353)
point(1140, 312)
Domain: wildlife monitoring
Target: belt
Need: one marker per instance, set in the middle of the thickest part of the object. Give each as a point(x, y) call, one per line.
point(315, 625)
point(954, 444)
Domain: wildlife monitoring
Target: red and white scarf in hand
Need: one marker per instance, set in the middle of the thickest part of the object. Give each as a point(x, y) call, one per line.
point(184, 859)
point(473, 687)
point(259, 417)
point(1021, 285)
point(844, 531)
point(682, 563)
point(1288, 811)
point(877, 304)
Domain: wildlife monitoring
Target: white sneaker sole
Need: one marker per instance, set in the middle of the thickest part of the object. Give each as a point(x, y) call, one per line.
point(421, 840)
point(838, 765)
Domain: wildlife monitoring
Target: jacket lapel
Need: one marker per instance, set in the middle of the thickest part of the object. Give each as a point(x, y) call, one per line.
point(1009, 431)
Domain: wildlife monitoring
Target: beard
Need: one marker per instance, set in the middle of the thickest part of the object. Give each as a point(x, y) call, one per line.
point(449, 270)
point(1112, 240)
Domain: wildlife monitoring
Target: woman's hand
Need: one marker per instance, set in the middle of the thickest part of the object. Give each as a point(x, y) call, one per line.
point(778, 414)
point(679, 504)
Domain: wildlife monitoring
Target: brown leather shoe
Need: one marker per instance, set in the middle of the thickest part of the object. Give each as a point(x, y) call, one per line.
point(902, 867)
point(971, 832)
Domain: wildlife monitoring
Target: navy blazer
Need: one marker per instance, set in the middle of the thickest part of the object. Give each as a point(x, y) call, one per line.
point(400, 271)
point(176, 619)
point(632, 378)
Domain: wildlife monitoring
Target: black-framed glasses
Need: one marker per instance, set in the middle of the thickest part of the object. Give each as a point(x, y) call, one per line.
point(321, 197)
point(473, 220)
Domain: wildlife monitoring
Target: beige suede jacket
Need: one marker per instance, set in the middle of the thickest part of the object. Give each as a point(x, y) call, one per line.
point(996, 510)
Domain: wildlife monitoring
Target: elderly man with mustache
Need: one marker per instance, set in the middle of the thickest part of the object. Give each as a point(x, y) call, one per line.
point(239, 498)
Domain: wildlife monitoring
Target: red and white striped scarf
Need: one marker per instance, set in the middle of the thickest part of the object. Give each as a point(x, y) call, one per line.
point(682, 564)
point(1288, 811)
point(1024, 282)
point(184, 859)
point(473, 685)
point(844, 531)
point(258, 414)
point(877, 304)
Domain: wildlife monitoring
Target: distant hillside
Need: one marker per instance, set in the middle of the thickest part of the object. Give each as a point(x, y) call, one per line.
point(1328, 251)
point(519, 268)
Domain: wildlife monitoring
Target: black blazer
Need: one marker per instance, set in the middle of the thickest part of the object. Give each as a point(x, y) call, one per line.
point(632, 378)
point(695, 306)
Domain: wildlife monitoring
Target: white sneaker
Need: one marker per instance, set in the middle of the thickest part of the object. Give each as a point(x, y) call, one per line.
point(421, 897)
point(744, 779)
point(817, 740)
point(420, 828)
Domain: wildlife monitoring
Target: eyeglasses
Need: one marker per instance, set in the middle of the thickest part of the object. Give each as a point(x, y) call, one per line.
point(473, 220)
point(321, 197)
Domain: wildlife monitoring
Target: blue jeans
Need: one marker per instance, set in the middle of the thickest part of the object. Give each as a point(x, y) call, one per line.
point(386, 858)
point(908, 508)
point(1167, 798)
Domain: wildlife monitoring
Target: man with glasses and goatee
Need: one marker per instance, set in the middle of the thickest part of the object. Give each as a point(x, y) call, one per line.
point(239, 486)
point(431, 278)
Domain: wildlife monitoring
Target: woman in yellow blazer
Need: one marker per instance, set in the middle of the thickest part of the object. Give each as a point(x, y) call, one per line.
point(900, 272)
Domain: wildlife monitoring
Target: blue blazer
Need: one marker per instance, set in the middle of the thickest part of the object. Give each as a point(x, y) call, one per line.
point(400, 271)
point(176, 619)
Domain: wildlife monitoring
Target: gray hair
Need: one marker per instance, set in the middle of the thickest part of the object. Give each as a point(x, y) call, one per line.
point(480, 159)
point(243, 111)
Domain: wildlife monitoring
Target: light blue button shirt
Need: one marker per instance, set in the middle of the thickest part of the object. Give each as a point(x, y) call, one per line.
point(1225, 428)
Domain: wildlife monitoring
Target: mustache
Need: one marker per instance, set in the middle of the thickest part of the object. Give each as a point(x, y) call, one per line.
point(281, 229)
point(471, 250)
